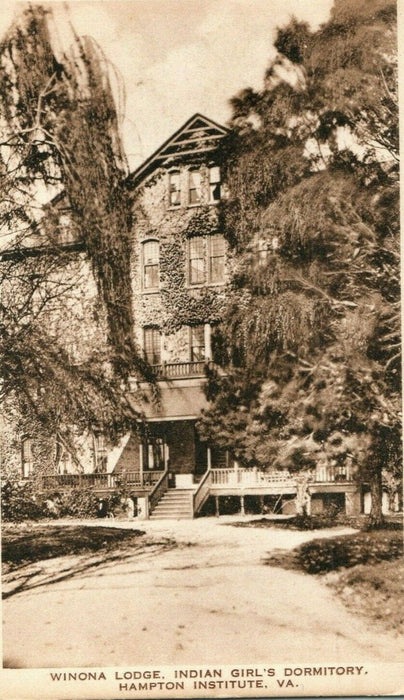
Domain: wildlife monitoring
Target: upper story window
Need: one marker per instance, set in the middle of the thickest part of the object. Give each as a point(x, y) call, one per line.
point(152, 345)
point(197, 343)
point(150, 260)
point(27, 459)
point(206, 259)
point(196, 260)
point(214, 184)
point(174, 188)
point(194, 187)
point(216, 258)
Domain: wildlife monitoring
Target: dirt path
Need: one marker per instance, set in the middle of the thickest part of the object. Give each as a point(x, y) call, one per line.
point(209, 601)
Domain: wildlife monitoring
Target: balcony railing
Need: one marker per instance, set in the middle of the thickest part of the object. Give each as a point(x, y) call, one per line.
point(250, 477)
point(177, 370)
point(133, 479)
point(333, 474)
point(255, 477)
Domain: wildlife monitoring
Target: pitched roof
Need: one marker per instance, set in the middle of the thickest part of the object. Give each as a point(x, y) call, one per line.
point(198, 135)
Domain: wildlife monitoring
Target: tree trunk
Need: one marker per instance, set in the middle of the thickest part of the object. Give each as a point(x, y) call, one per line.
point(376, 491)
point(302, 496)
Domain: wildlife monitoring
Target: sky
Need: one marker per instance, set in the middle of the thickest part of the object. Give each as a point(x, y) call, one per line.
point(178, 57)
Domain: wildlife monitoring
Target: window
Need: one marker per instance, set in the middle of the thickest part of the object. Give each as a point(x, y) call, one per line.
point(27, 460)
point(262, 251)
point(63, 458)
point(196, 260)
point(174, 188)
point(100, 454)
point(152, 345)
point(153, 454)
point(214, 184)
point(195, 187)
point(216, 258)
point(150, 265)
point(197, 343)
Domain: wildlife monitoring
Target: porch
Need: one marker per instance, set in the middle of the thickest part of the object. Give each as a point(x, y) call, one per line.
point(164, 493)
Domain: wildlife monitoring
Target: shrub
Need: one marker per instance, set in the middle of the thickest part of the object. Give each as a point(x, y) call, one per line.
point(75, 503)
point(349, 550)
point(20, 501)
point(23, 500)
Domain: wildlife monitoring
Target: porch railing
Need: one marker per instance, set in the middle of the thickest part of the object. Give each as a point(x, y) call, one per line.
point(134, 479)
point(333, 474)
point(202, 492)
point(158, 491)
point(249, 477)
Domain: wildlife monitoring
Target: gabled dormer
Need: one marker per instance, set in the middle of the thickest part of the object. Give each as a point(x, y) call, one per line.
point(196, 138)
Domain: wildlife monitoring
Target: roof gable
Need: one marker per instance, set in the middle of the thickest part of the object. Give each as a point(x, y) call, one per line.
point(198, 135)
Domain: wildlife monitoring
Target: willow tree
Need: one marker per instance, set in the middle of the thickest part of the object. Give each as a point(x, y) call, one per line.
point(311, 338)
point(64, 206)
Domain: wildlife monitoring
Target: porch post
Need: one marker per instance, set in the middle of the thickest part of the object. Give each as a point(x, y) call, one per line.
point(217, 510)
point(261, 502)
point(209, 458)
point(208, 345)
point(242, 511)
point(141, 462)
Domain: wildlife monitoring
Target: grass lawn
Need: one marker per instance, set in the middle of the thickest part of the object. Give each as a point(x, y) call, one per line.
point(24, 543)
point(369, 576)
point(373, 590)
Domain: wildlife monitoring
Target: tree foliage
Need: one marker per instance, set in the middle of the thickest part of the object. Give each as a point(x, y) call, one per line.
point(311, 339)
point(64, 206)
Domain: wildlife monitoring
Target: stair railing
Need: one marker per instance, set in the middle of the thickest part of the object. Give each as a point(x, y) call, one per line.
point(202, 492)
point(158, 490)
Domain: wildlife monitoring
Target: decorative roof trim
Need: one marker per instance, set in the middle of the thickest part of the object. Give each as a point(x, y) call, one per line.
point(159, 155)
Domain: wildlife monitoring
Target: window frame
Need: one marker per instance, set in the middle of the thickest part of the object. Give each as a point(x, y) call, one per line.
point(212, 257)
point(100, 453)
point(27, 440)
point(213, 183)
point(192, 345)
point(146, 265)
point(156, 333)
point(153, 454)
point(195, 189)
point(171, 204)
point(202, 257)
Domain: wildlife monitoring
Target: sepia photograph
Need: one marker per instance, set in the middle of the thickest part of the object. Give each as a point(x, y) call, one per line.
point(200, 349)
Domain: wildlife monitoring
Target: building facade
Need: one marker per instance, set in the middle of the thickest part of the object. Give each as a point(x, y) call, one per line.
point(180, 269)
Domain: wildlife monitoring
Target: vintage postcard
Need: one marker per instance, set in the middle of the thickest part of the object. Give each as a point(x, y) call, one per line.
point(200, 349)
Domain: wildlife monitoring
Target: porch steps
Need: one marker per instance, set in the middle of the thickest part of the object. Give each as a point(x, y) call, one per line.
point(175, 504)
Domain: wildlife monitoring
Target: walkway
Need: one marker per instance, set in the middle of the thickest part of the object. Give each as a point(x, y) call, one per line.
point(210, 600)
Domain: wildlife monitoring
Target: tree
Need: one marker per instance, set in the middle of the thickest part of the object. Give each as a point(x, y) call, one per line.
point(65, 220)
point(312, 324)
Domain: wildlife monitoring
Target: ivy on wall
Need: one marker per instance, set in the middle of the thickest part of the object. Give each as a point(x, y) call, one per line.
point(177, 304)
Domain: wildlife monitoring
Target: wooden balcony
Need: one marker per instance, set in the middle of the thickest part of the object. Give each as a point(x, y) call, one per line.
point(180, 370)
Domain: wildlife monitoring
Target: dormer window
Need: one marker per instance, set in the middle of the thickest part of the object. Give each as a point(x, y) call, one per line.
point(214, 184)
point(150, 261)
point(174, 188)
point(195, 187)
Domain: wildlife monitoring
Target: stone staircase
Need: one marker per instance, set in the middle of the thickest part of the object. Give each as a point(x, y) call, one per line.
point(175, 504)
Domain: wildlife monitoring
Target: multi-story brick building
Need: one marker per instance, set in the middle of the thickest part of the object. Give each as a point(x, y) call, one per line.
point(179, 270)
